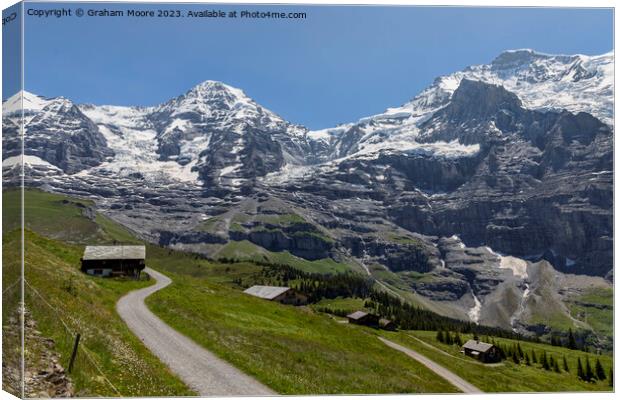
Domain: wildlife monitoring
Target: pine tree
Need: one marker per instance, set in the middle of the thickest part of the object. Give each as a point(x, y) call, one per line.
point(580, 373)
point(571, 340)
point(515, 357)
point(589, 372)
point(600, 372)
point(448, 337)
point(527, 359)
point(520, 350)
point(565, 364)
point(458, 340)
point(440, 336)
point(534, 360)
point(556, 367)
point(543, 361)
point(611, 377)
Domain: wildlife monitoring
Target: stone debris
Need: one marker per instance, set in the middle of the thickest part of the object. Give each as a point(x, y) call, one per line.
point(44, 376)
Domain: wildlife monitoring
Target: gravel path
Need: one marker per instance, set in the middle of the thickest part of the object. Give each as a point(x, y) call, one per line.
point(451, 377)
point(200, 369)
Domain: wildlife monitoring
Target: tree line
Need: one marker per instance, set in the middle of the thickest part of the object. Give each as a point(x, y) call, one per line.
point(515, 353)
point(317, 286)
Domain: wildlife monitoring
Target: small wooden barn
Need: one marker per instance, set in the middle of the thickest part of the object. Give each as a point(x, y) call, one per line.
point(114, 260)
point(481, 351)
point(363, 318)
point(282, 294)
point(387, 324)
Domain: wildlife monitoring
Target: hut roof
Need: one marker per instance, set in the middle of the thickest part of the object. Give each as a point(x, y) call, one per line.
point(476, 345)
point(114, 253)
point(357, 315)
point(267, 292)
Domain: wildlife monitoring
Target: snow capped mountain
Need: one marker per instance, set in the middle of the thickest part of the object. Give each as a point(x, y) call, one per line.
point(55, 131)
point(216, 134)
point(133, 139)
point(223, 107)
point(31, 103)
point(225, 136)
point(577, 83)
point(515, 156)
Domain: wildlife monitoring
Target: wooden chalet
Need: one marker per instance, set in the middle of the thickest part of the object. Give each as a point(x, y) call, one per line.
point(114, 260)
point(387, 324)
point(363, 318)
point(485, 352)
point(282, 294)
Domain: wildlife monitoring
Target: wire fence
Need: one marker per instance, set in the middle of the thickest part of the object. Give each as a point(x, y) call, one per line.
point(58, 319)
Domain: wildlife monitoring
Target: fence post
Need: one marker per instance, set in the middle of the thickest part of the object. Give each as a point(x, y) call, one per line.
point(74, 353)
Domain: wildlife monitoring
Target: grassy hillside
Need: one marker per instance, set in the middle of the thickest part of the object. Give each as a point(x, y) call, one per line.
point(111, 360)
point(292, 350)
point(245, 250)
point(507, 377)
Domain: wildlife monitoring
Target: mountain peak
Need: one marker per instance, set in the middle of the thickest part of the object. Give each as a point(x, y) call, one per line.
point(517, 57)
point(218, 90)
point(31, 102)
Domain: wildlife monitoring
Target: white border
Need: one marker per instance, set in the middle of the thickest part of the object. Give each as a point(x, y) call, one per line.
point(481, 3)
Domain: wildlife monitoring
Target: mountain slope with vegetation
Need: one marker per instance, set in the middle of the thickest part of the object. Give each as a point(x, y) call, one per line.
point(63, 301)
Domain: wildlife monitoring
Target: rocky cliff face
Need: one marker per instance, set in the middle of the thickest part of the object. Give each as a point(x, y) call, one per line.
point(56, 132)
point(491, 171)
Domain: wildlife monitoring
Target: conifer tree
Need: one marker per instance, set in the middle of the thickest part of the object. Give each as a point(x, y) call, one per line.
point(611, 376)
point(448, 337)
point(589, 373)
point(458, 340)
point(600, 372)
point(571, 340)
point(534, 360)
point(543, 361)
point(440, 336)
point(515, 357)
point(565, 364)
point(527, 359)
point(580, 372)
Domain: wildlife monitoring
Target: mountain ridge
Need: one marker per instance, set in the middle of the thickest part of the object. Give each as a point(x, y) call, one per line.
point(474, 168)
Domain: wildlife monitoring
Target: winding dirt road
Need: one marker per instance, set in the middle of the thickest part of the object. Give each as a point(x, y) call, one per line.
point(200, 369)
point(448, 375)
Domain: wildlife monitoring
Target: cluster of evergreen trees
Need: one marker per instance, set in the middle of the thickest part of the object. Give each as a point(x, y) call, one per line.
point(516, 354)
point(573, 341)
point(406, 316)
point(586, 373)
point(317, 286)
point(449, 338)
point(411, 317)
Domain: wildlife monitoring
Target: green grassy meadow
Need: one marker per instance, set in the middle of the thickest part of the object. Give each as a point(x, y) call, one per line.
point(292, 350)
point(507, 376)
point(111, 361)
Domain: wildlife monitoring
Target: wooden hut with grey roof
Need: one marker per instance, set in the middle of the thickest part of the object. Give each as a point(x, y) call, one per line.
point(485, 352)
point(282, 294)
point(114, 260)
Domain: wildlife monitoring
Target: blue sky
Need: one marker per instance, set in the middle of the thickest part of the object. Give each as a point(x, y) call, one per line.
point(339, 64)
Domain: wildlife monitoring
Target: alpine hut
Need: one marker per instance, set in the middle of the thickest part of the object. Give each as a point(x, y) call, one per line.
point(363, 318)
point(114, 260)
point(282, 294)
point(481, 351)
